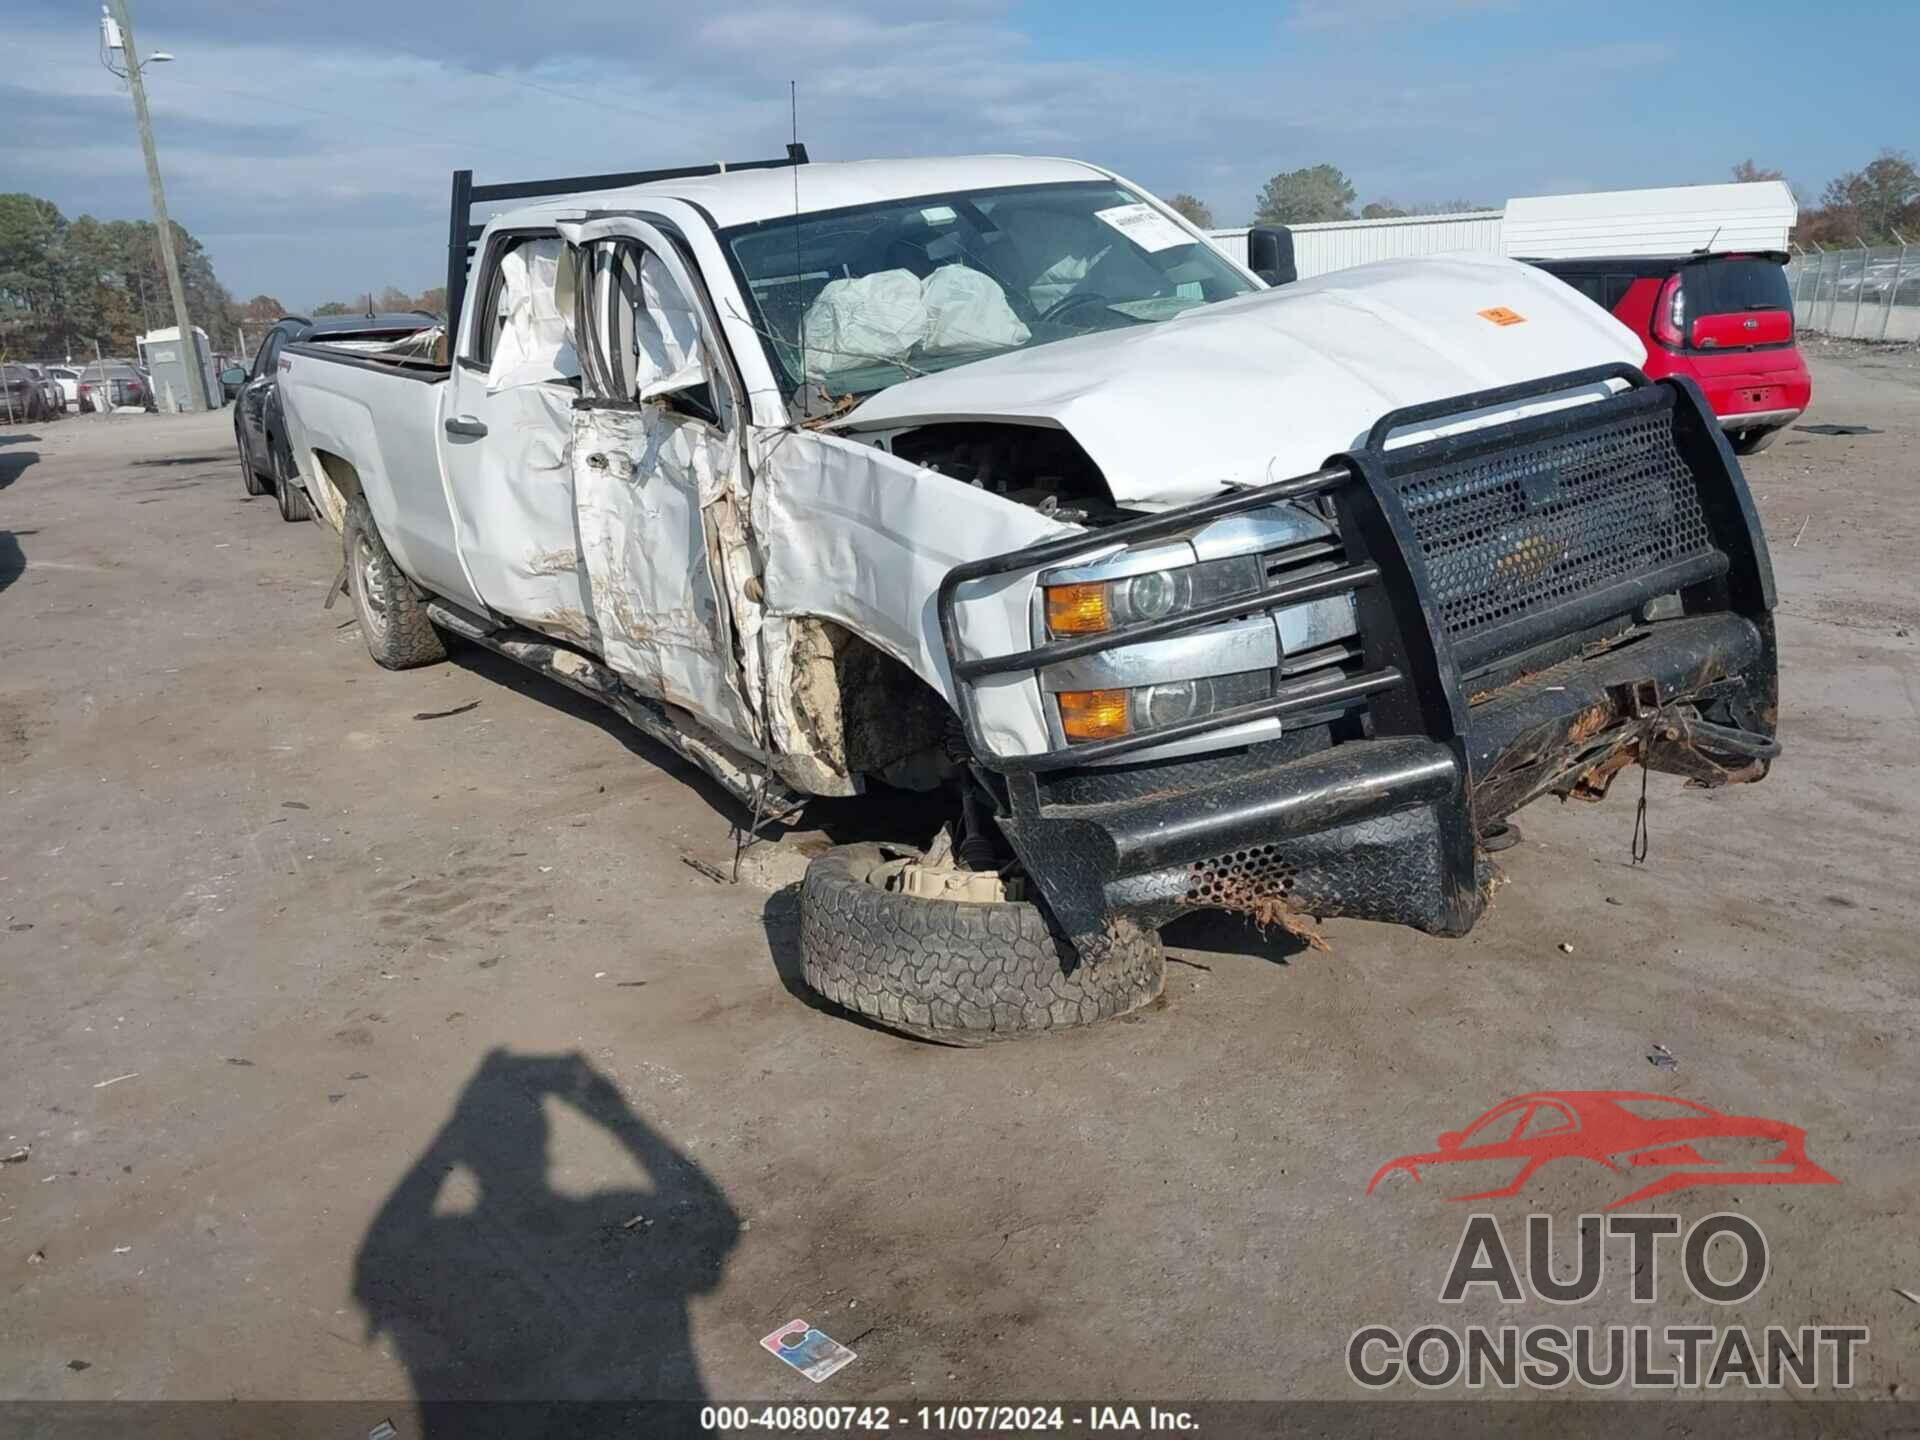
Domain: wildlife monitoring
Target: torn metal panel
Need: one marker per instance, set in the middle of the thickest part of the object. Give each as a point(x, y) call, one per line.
point(1270, 384)
point(644, 482)
point(853, 535)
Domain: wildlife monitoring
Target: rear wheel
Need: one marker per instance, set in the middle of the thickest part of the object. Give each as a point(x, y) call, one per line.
point(286, 486)
point(249, 477)
point(399, 635)
point(961, 972)
point(1752, 442)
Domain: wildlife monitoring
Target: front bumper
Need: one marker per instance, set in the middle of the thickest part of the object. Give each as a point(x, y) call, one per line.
point(1619, 613)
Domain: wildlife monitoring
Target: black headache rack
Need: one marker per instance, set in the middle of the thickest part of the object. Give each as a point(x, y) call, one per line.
point(462, 232)
point(1501, 579)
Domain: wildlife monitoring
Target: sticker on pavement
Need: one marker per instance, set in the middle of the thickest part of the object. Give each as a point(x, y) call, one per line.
point(808, 1350)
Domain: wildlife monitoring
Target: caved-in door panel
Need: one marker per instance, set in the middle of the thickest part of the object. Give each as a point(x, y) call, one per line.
point(513, 507)
point(644, 479)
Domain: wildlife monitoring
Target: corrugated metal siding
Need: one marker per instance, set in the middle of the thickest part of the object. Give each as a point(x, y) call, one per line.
point(1674, 220)
point(1340, 244)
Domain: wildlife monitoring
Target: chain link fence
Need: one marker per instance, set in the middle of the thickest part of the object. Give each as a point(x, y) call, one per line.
point(1868, 293)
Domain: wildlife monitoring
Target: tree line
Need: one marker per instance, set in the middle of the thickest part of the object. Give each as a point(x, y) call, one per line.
point(69, 285)
point(1874, 205)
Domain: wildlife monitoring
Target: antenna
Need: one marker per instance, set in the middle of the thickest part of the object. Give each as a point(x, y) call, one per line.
point(1710, 239)
point(799, 284)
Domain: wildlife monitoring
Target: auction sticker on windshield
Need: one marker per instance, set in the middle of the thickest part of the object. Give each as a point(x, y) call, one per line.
point(1145, 226)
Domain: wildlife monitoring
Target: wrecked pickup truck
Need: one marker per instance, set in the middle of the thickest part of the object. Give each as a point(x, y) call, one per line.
point(991, 479)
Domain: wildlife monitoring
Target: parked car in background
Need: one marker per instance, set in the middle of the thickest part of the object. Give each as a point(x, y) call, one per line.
point(67, 377)
point(1723, 321)
point(23, 396)
point(113, 384)
point(258, 429)
point(50, 394)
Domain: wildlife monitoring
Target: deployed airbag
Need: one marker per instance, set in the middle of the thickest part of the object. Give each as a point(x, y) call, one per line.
point(531, 342)
point(885, 317)
point(858, 322)
point(967, 310)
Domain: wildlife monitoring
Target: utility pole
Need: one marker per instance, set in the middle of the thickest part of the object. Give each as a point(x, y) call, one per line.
point(190, 353)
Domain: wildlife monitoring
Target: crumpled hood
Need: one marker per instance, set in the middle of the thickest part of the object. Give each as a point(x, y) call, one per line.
point(1271, 384)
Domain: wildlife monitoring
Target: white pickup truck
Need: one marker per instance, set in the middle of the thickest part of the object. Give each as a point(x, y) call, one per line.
point(990, 478)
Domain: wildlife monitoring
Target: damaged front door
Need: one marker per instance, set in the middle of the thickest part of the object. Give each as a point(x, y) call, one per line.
point(659, 483)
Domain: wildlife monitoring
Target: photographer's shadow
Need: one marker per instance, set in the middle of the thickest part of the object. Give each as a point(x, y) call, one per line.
point(494, 1287)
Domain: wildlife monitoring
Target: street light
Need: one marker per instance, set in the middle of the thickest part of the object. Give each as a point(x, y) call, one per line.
point(116, 39)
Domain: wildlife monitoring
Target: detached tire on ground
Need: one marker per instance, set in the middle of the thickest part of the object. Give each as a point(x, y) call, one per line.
point(959, 972)
point(399, 635)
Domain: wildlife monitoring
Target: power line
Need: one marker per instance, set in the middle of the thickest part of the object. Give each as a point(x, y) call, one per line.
point(362, 117)
point(607, 105)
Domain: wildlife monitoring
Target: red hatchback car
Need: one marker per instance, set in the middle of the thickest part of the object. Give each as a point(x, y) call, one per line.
point(1724, 321)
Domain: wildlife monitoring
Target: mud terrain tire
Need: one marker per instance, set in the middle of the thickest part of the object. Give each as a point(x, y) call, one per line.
point(957, 972)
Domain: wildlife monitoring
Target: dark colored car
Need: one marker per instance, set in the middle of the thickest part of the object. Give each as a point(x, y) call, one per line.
point(258, 429)
point(23, 396)
point(1656, 1143)
point(1723, 321)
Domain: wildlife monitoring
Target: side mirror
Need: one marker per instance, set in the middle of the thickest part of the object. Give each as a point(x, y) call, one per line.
point(1270, 254)
point(1450, 1140)
point(233, 375)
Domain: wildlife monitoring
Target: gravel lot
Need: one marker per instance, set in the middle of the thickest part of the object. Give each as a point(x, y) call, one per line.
point(351, 1018)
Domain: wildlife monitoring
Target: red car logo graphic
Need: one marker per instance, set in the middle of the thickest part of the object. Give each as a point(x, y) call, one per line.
point(1630, 1133)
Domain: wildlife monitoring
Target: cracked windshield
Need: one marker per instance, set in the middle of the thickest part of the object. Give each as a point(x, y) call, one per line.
point(857, 300)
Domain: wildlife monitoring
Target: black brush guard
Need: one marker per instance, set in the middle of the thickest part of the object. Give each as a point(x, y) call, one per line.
point(1541, 602)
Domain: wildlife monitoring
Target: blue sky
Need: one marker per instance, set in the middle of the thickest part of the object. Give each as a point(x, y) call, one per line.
point(309, 144)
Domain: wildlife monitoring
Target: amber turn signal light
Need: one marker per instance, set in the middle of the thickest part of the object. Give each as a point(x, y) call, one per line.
point(1093, 714)
point(1078, 610)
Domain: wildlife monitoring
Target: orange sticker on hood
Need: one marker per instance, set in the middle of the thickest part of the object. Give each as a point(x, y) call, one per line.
point(1501, 315)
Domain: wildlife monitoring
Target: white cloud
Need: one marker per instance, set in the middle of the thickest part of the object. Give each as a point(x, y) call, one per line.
point(314, 165)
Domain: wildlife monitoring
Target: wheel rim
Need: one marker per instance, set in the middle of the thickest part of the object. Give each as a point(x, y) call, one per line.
point(372, 578)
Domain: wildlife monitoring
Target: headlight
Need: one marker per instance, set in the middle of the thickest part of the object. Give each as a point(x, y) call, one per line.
point(1088, 715)
point(1096, 607)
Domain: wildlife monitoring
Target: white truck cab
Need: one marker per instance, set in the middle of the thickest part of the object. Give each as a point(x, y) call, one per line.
point(992, 478)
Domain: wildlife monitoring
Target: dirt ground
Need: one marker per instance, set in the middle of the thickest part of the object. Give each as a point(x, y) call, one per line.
point(369, 1037)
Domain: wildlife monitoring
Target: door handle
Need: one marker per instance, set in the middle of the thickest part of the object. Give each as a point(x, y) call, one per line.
point(466, 425)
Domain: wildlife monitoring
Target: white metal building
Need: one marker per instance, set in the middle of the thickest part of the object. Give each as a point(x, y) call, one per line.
point(1669, 221)
point(1338, 244)
point(1758, 215)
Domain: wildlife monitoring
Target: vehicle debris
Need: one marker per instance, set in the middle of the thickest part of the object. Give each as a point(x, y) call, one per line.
point(17, 1157)
point(1662, 1058)
point(445, 714)
point(808, 1350)
point(712, 872)
point(130, 1075)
